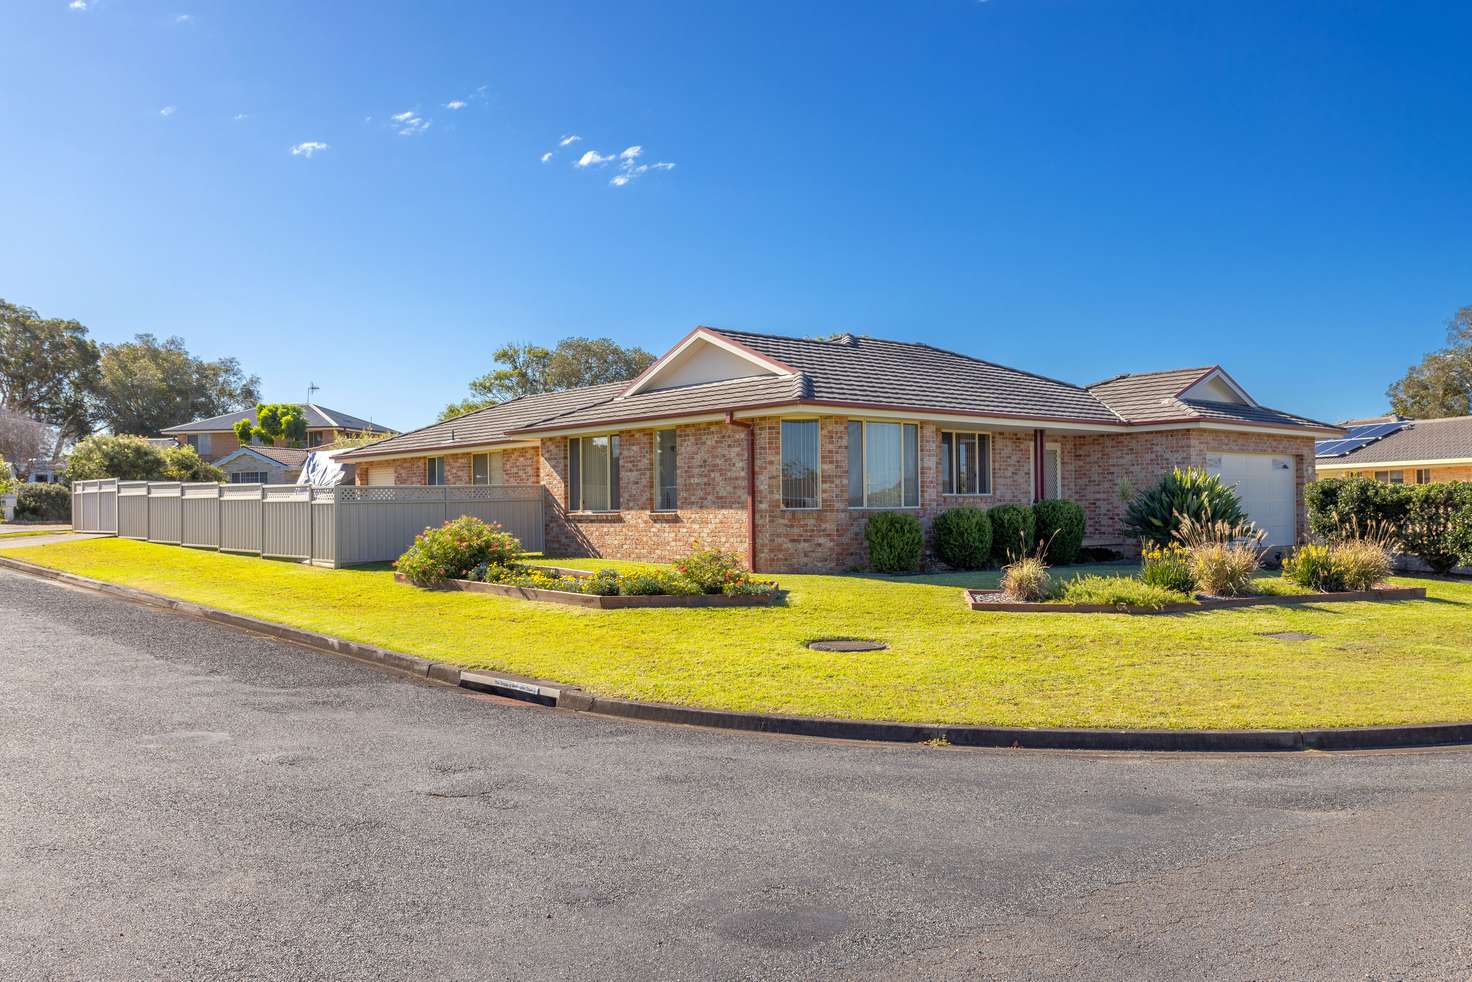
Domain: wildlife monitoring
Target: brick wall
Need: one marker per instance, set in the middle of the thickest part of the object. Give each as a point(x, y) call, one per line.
point(712, 498)
point(519, 467)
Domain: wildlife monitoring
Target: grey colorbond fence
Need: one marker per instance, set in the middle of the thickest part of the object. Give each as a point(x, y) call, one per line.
point(342, 526)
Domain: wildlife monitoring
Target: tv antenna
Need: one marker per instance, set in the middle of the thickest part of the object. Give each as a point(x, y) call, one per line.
point(312, 387)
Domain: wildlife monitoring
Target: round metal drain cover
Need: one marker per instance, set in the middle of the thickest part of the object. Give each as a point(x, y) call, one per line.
point(842, 645)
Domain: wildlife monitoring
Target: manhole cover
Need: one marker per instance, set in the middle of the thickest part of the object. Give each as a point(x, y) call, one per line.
point(1289, 636)
point(839, 645)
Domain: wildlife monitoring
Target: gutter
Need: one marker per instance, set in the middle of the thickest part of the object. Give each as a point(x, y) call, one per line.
point(750, 428)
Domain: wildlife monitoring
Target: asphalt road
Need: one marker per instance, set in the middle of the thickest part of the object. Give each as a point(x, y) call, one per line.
point(179, 800)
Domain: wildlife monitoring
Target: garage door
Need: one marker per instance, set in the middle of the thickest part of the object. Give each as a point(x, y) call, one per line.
point(1265, 483)
point(381, 474)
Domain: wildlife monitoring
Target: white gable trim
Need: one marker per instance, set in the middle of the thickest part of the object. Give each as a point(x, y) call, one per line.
point(1218, 374)
point(704, 335)
point(247, 451)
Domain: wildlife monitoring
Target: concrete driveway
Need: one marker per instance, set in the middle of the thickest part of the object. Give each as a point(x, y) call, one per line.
point(184, 801)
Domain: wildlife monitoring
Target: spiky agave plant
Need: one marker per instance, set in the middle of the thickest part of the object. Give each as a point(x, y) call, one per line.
point(1155, 514)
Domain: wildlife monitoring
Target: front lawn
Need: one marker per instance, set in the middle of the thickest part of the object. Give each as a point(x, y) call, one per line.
point(1370, 663)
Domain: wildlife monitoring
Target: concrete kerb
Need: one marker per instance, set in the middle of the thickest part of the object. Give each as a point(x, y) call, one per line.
point(576, 700)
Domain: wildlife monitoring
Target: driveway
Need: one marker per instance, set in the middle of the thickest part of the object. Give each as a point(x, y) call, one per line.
point(181, 800)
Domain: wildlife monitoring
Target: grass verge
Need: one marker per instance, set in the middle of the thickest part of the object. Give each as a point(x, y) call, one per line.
point(1369, 663)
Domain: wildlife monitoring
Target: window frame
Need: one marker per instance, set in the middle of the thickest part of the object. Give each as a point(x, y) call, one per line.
point(1390, 477)
point(1426, 471)
point(655, 464)
point(864, 423)
point(236, 477)
point(990, 479)
point(576, 471)
point(437, 464)
point(817, 504)
point(488, 454)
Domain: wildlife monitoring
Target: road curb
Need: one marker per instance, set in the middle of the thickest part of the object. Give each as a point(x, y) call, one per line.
point(577, 700)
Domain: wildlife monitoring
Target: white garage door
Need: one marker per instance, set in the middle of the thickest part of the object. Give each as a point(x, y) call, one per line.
point(381, 474)
point(1265, 484)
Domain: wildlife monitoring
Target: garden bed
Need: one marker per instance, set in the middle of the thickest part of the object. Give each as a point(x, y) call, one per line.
point(597, 601)
point(994, 600)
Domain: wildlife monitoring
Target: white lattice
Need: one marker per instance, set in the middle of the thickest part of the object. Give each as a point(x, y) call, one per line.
point(165, 489)
point(495, 492)
point(240, 490)
point(288, 492)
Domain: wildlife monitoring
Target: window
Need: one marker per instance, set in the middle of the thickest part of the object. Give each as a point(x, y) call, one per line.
point(201, 442)
point(314, 438)
point(487, 468)
point(1423, 475)
point(883, 465)
point(666, 471)
point(434, 470)
point(1391, 477)
point(592, 473)
point(965, 463)
point(248, 477)
point(1052, 471)
point(799, 463)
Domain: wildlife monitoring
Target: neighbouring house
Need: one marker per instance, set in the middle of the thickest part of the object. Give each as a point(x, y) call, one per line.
point(780, 448)
point(254, 464)
point(1399, 450)
point(41, 470)
point(215, 438)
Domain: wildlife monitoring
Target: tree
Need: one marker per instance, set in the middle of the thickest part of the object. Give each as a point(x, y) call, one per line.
point(1441, 385)
point(529, 369)
point(283, 421)
point(23, 439)
point(132, 458)
point(146, 385)
point(48, 370)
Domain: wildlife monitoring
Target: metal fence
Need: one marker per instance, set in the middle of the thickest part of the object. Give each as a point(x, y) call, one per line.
point(341, 526)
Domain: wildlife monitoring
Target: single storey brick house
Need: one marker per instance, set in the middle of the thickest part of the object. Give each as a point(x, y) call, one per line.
point(779, 448)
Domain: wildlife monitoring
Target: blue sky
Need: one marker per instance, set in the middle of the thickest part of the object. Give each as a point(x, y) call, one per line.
point(1076, 188)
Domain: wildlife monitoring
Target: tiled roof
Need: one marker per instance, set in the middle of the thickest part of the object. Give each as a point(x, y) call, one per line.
point(285, 456)
point(1421, 440)
point(318, 417)
point(685, 400)
point(490, 425)
point(873, 371)
point(1154, 397)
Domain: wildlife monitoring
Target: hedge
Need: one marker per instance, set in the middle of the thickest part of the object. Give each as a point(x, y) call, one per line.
point(1432, 521)
point(896, 542)
point(962, 537)
point(43, 503)
point(1060, 525)
point(1014, 531)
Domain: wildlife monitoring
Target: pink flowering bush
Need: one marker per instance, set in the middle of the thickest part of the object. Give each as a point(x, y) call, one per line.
point(455, 548)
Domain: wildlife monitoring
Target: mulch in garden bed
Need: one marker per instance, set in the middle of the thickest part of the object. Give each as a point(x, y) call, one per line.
point(597, 602)
point(995, 600)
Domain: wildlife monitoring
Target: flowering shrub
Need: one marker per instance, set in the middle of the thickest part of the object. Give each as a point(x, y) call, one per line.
point(711, 569)
point(454, 549)
point(1167, 567)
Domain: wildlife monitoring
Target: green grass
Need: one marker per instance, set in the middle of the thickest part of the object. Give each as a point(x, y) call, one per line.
point(1375, 663)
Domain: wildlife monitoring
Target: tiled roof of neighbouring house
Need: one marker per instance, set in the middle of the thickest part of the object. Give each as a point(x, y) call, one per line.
point(318, 417)
point(1155, 397)
point(847, 371)
point(285, 456)
point(1421, 440)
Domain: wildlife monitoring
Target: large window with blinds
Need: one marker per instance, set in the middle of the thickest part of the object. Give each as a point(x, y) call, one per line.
point(965, 463)
point(487, 468)
point(666, 472)
point(592, 473)
point(800, 463)
point(883, 464)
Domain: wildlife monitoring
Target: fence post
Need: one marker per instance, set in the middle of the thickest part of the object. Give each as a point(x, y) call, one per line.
point(261, 490)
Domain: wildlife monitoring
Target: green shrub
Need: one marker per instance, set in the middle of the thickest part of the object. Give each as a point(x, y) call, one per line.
point(1060, 527)
point(962, 537)
point(1438, 524)
point(43, 503)
point(712, 569)
point(1026, 580)
point(1014, 529)
point(7, 477)
point(127, 458)
point(183, 463)
point(1341, 507)
point(1167, 567)
point(653, 583)
point(1362, 564)
point(455, 548)
point(1117, 591)
point(1155, 514)
point(1313, 566)
point(896, 542)
point(603, 583)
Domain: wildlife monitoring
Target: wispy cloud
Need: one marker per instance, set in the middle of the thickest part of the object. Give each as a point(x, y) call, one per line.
point(593, 159)
point(568, 140)
point(77, 5)
point(630, 153)
point(547, 157)
point(168, 111)
point(455, 104)
point(183, 18)
point(411, 123)
point(308, 148)
point(630, 168)
point(240, 116)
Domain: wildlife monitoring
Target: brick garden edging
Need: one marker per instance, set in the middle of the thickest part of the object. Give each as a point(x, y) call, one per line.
point(576, 700)
point(595, 601)
point(1206, 603)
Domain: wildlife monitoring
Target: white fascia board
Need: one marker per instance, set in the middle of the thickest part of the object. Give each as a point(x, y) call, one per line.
point(702, 335)
point(407, 454)
point(1382, 465)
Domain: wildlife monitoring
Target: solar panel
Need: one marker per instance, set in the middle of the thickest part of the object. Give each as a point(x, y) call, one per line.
point(1357, 437)
point(1330, 448)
